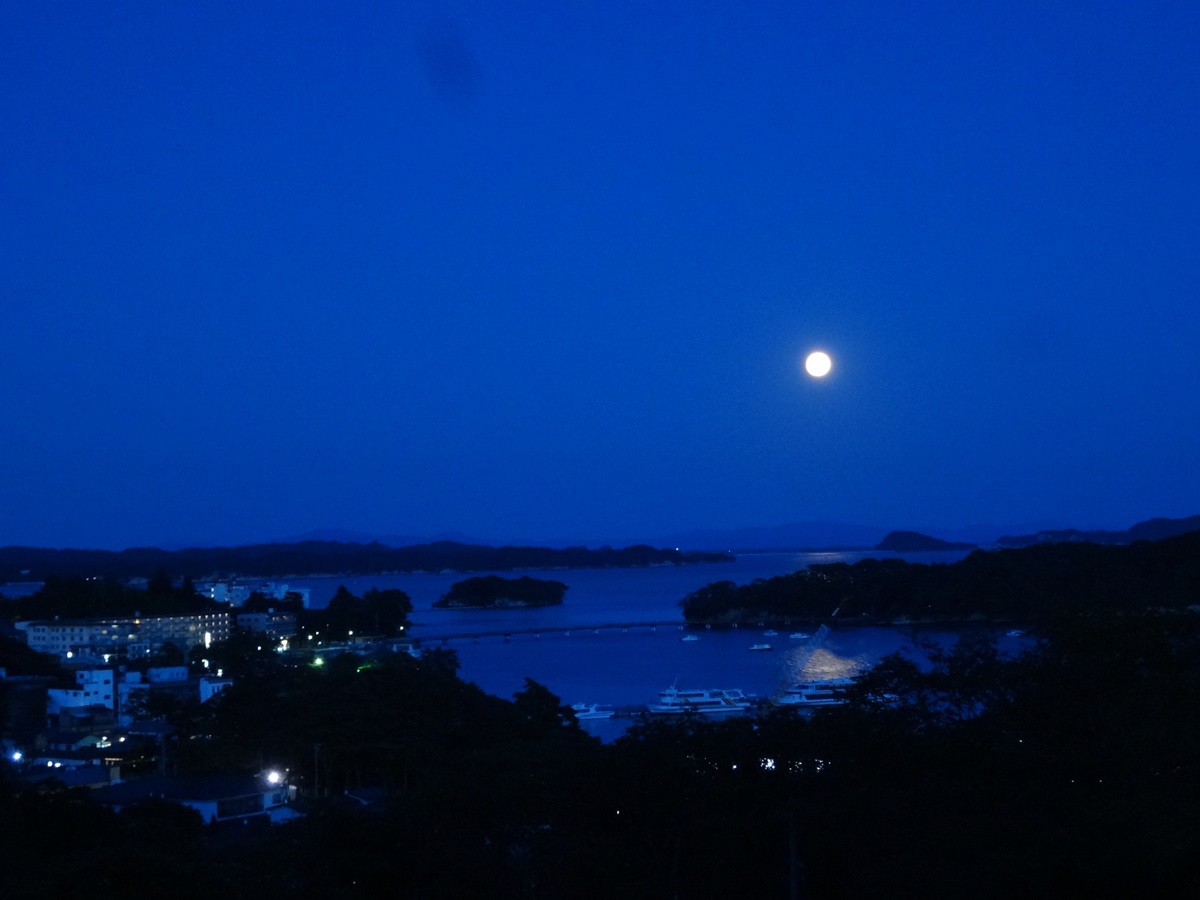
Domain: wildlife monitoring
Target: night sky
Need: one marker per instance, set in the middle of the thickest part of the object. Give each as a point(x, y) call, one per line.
point(534, 270)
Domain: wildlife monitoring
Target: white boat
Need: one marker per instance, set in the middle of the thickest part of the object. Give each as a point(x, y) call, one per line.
point(689, 637)
point(591, 711)
point(829, 692)
point(799, 636)
point(770, 633)
point(672, 702)
point(760, 647)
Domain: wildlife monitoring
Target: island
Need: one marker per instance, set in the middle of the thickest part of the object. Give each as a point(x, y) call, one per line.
point(494, 592)
point(1038, 582)
point(915, 542)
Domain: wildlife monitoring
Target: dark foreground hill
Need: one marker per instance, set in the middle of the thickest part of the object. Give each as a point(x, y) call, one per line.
point(322, 558)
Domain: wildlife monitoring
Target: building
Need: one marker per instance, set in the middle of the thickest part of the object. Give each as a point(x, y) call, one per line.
point(135, 689)
point(273, 624)
point(93, 687)
point(217, 798)
point(236, 594)
point(130, 637)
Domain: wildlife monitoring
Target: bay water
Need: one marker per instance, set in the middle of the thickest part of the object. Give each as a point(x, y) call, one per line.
point(566, 649)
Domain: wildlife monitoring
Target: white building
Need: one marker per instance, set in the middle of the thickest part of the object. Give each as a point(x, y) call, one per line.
point(236, 594)
point(217, 798)
point(135, 688)
point(210, 687)
point(133, 636)
point(93, 687)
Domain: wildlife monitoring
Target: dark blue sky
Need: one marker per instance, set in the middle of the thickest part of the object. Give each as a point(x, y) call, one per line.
point(538, 269)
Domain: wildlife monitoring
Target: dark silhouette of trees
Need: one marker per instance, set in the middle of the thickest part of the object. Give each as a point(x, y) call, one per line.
point(1043, 581)
point(493, 590)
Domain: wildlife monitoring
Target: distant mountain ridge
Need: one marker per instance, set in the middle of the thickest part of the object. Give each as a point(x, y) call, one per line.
point(792, 536)
point(1149, 530)
point(311, 558)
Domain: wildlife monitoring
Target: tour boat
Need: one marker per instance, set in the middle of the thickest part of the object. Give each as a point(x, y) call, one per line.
point(760, 647)
point(829, 692)
point(673, 701)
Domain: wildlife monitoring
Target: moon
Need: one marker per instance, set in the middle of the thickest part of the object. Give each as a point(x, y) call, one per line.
point(817, 364)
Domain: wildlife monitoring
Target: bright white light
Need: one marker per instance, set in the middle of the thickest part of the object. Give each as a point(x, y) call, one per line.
point(16, 756)
point(818, 364)
point(207, 639)
point(69, 654)
point(274, 777)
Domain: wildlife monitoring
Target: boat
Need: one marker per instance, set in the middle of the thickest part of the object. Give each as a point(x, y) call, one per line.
point(760, 647)
point(1016, 632)
point(673, 702)
point(591, 711)
point(770, 633)
point(689, 637)
point(799, 636)
point(828, 692)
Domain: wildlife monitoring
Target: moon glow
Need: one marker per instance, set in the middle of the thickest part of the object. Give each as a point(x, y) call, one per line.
point(817, 364)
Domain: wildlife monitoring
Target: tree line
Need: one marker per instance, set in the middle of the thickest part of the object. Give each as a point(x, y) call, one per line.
point(1021, 584)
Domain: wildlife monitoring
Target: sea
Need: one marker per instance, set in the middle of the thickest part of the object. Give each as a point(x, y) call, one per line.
point(572, 650)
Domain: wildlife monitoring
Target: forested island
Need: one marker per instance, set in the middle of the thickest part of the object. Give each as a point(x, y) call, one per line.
point(915, 542)
point(1031, 582)
point(494, 592)
point(325, 558)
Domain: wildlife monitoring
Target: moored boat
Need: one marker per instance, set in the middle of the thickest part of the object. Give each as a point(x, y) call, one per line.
point(760, 647)
point(829, 692)
point(673, 701)
point(591, 711)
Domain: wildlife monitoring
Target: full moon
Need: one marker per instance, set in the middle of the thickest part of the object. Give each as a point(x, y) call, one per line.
point(818, 364)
